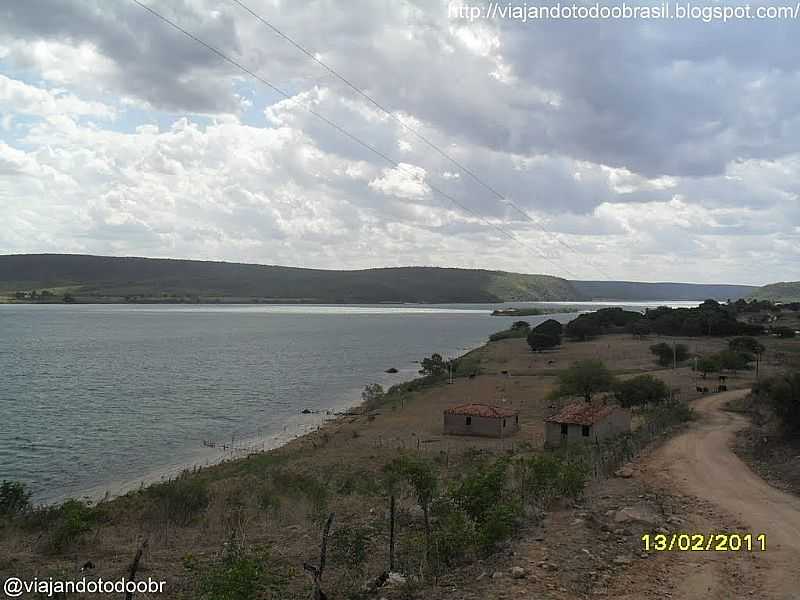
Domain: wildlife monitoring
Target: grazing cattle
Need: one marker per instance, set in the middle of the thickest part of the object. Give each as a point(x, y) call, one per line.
point(551, 362)
point(722, 388)
point(699, 389)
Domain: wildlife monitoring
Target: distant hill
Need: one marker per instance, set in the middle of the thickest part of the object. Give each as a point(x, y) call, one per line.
point(103, 278)
point(785, 291)
point(644, 292)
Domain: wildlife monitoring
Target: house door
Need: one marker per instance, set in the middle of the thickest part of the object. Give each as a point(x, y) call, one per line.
point(564, 432)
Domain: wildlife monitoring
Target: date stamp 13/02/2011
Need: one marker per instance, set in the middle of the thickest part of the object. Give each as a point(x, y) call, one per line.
point(704, 542)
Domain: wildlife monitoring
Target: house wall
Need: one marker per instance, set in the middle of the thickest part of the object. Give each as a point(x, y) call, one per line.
point(616, 423)
point(487, 426)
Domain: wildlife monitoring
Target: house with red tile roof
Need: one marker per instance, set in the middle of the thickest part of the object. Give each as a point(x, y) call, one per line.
point(586, 422)
point(481, 419)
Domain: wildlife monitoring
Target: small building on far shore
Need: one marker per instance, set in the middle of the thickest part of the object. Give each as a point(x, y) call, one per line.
point(481, 419)
point(586, 422)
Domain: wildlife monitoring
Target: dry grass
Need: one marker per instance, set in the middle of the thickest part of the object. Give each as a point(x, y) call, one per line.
point(344, 459)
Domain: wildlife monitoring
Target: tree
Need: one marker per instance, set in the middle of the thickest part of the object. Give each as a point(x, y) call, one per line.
point(732, 360)
point(585, 378)
point(420, 475)
point(15, 498)
point(641, 328)
point(583, 328)
point(708, 364)
point(640, 390)
point(550, 327)
point(372, 394)
point(520, 325)
point(68, 298)
point(541, 341)
point(748, 345)
point(433, 366)
point(670, 354)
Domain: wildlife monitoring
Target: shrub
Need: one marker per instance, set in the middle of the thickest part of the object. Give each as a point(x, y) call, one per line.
point(507, 334)
point(15, 499)
point(733, 360)
point(640, 390)
point(181, 499)
point(783, 395)
point(307, 486)
point(71, 520)
point(550, 327)
point(541, 341)
point(708, 364)
point(349, 546)
point(238, 575)
point(372, 395)
point(454, 537)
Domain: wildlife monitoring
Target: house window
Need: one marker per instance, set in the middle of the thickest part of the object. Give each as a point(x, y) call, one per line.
point(504, 422)
point(516, 419)
point(564, 429)
point(585, 431)
point(469, 420)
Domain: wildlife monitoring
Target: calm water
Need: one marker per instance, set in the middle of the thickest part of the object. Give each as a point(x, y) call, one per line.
point(97, 397)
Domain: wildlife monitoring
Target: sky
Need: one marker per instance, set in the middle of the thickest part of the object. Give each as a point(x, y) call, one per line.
point(649, 150)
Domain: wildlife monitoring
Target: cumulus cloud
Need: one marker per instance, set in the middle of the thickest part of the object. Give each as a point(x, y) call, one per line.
point(659, 150)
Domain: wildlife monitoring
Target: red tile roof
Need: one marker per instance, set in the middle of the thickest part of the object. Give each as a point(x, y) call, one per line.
point(481, 410)
point(582, 413)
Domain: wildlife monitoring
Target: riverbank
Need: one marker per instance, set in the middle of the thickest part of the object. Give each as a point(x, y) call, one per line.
point(273, 503)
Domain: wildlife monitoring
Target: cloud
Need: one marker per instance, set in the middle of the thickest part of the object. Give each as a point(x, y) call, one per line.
point(656, 150)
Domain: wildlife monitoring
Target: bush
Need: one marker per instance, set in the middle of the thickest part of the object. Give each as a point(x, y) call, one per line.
point(238, 575)
point(733, 360)
point(15, 499)
point(71, 520)
point(297, 484)
point(372, 395)
point(708, 364)
point(181, 499)
point(783, 395)
point(640, 390)
point(668, 354)
point(349, 547)
point(507, 334)
point(550, 327)
point(541, 341)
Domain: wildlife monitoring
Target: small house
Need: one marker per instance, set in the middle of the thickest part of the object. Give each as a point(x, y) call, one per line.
point(586, 422)
point(481, 419)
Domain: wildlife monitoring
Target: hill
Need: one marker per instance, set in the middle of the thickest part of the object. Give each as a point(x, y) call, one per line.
point(644, 292)
point(785, 291)
point(104, 278)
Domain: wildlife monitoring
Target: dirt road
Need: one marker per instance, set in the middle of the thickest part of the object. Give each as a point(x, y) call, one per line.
point(700, 463)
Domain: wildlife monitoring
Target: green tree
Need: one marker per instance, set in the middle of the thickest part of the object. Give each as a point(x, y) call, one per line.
point(748, 345)
point(433, 366)
point(372, 394)
point(585, 378)
point(550, 327)
point(708, 364)
point(733, 360)
point(421, 477)
point(640, 390)
point(583, 328)
point(541, 341)
point(669, 354)
point(15, 498)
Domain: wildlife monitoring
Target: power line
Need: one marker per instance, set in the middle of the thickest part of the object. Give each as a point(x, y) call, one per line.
point(507, 201)
point(346, 133)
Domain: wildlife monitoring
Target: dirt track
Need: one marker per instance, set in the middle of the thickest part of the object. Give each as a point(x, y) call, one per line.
point(700, 463)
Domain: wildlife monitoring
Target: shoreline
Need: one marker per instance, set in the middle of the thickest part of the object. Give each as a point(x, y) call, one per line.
point(321, 421)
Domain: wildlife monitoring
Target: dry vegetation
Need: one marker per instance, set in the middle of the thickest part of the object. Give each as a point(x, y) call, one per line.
point(255, 521)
